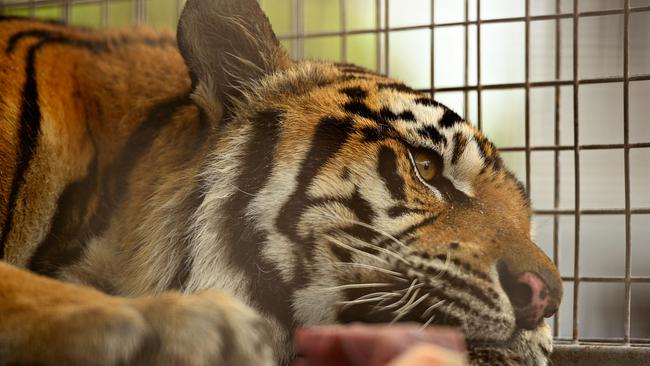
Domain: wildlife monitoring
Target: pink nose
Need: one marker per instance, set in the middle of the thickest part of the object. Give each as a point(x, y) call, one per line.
point(531, 300)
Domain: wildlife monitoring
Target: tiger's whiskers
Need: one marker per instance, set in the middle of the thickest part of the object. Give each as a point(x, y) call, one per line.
point(378, 248)
point(378, 231)
point(352, 249)
point(358, 285)
point(433, 307)
point(399, 276)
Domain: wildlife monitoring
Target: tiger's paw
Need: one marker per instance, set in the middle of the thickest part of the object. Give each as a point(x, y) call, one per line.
point(207, 328)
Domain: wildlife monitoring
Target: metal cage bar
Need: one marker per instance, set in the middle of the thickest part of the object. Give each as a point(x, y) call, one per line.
point(104, 12)
point(626, 154)
point(535, 84)
point(527, 96)
point(179, 7)
point(298, 27)
point(479, 87)
point(576, 164)
point(556, 158)
point(432, 54)
point(386, 14)
point(344, 26)
point(465, 59)
point(378, 42)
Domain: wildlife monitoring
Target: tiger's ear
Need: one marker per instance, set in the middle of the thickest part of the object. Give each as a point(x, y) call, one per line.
point(227, 44)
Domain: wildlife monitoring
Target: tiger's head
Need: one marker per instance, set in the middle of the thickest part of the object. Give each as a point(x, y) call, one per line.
point(346, 196)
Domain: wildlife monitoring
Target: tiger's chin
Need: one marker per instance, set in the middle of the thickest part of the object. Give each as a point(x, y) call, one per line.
point(524, 348)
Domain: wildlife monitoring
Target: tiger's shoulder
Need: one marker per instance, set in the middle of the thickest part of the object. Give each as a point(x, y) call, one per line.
point(78, 95)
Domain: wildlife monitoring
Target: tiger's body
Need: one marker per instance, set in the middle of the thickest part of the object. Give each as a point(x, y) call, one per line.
point(288, 186)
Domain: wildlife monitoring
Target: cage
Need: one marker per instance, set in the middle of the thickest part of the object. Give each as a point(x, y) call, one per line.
point(561, 86)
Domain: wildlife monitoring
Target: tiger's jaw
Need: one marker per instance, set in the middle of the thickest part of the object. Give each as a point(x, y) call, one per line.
point(526, 347)
point(416, 287)
point(434, 292)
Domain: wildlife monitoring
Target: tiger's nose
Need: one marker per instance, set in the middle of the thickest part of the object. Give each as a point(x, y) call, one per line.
point(531, 298)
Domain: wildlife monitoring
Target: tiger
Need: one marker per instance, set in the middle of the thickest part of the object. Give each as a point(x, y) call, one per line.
point(193, 199)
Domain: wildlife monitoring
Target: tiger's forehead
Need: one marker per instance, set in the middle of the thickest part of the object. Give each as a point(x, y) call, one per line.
point(384, 109)
point(372, 108)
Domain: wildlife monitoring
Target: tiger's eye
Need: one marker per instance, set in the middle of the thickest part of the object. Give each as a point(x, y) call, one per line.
point(426, 163)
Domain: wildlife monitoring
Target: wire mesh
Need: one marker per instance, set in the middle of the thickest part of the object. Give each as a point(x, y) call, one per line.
point(473, 89)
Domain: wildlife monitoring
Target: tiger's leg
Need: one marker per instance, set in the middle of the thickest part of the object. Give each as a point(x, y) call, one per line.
point(47, 322)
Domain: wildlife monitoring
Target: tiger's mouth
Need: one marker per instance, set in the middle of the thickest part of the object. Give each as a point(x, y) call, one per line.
point(398, 303)
point(396, 283)
point(490, 338)
point(431, 290)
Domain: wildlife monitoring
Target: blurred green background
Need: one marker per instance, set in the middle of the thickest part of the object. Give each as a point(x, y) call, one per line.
point(319, 16)
point(158, 13)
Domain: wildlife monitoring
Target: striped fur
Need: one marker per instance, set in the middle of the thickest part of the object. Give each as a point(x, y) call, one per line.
point(288, 186)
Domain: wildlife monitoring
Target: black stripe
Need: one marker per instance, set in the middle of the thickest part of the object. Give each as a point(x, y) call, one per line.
point(425, 101)
point(486, 149)
point(135, 148)
point(471, 271)
point(389, 172)
point(485, 295)
point(271, 293)
point(460, 143)
point(521, 188)
point(443, 292)
point(28, 132)
point(69, 233)
point(409, 230)
point(450, 119)
point(191, 204)
point(384, 119)
point(497, 163)
point(545, 351)
point(355, 92)
point(360, 206)
point(488, 296)
point(349, 77)
point(186, 261)
point(330, 136)
point(432, 134)
point(30, 115)
point(354, 69)
point(362, 210)
point(401, 210)
point(62, 241)
point(397, 211)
